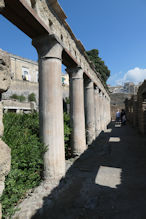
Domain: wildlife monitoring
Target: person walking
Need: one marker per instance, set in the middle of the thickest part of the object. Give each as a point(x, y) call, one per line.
point(118, 116)
point(123, 117)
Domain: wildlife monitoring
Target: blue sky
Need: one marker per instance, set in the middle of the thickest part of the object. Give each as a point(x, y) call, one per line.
point(117, 28)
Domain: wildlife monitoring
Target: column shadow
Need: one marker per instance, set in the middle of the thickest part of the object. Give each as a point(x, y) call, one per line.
point(108, 181)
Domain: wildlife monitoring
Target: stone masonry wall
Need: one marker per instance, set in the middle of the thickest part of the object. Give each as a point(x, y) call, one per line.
point(117, 102)
point(136, 109)
point(5, 157)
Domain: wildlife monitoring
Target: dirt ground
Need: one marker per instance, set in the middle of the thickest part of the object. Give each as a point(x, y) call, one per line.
point(107, 182)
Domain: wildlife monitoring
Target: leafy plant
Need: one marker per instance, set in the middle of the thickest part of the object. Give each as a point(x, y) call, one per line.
point(14, 96)
point(32, 97)
point(67, 133)
point(21, 98)
point(21, 133)
point(99, 64)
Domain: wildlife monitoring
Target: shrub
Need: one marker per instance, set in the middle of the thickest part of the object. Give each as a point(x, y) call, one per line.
point(21, 133)
point(31, 97)
point(22, 98)
point(67, 132)
point(14, 96)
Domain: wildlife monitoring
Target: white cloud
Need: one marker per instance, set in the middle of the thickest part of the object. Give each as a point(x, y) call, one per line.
point(135, 75)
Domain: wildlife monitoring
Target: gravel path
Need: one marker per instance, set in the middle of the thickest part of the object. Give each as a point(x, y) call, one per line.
point(107, 182)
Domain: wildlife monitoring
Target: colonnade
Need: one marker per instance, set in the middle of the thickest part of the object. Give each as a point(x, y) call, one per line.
point(89, 106)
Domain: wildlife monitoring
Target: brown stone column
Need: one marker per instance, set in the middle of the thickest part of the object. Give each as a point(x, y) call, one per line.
point(78, 139)
point(50, 104)
point(89, 111)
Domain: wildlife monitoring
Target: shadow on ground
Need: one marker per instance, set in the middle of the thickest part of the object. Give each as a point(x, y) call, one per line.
point(108, 181)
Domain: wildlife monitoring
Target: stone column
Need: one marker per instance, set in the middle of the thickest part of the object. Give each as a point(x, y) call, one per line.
point(50, 104)
point(89, 111)
point(101, 111)
point(105, 113)
point(78, 139)
point(97, 111)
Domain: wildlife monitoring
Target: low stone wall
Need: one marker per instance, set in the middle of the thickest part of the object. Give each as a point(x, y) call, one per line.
point(136, 109)
point(16, 106)
point(5, 153)
point(26, 87)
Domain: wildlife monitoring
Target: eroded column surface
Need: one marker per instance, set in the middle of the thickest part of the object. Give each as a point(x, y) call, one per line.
point(78, 140)
point(104, 113)
point(89, 111)
point(101, 109)
point(50, 104)
point(97, 111)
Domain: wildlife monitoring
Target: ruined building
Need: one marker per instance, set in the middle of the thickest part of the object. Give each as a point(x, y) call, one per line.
point(24, 81)
point(136, 109)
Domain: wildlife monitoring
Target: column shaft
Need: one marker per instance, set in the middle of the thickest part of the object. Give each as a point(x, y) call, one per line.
point(51, 105)
point(78, 140)
point(89, 111)
point(97, 112)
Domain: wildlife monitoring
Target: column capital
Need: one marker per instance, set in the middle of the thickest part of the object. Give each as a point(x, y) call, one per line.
point(88, 83)
point(75, 72)
point(48, 46)
point(97, 90)
point(2, 5)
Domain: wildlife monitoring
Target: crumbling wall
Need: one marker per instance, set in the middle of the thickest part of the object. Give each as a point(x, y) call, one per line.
point(5, 153)
point(136, 109)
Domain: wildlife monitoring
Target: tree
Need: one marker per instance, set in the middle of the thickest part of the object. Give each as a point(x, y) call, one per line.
point(99, 64)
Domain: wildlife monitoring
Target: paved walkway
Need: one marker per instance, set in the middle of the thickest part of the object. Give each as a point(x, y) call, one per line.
point(107, 182)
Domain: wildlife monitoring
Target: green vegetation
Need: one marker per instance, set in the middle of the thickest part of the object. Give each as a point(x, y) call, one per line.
point(99, 64)
point(67, 132)
point(21, 133)
point(21, 98)
point(32, 97)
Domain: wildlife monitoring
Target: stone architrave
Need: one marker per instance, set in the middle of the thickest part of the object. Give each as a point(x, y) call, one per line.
point(77, 114)
point(89, 111)
point(50, 104)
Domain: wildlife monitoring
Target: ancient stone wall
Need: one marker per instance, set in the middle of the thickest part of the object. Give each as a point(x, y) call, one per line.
point(5, 157)
point(117, 102)
point(136, 109)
